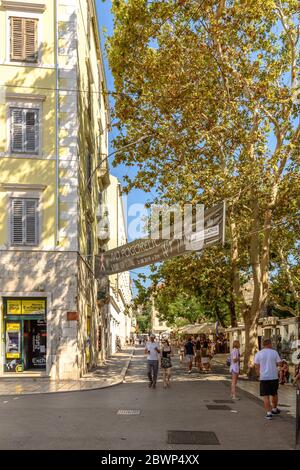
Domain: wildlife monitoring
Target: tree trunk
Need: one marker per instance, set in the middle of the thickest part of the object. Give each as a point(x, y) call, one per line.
point(251, 314)
point(251, 343)
point(231, 305)
point(219, 318)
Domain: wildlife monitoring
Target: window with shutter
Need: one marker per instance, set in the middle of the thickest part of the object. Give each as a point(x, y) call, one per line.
point(31, 130)
point(24, 130)
point(16, 122)
point(30, 43)
point(16, 39)
point(17, 222)
point(24, 223)
point(89, 241)
point(30, 222)
point(23, 39)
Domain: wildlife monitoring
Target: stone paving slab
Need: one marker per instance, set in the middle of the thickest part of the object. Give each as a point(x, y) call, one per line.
point(286, 393)
point(112, 373)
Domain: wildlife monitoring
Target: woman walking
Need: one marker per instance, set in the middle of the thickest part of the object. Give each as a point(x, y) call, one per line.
point(205, 360)
point(198, 354)
point(166, 364)
point(234, 367)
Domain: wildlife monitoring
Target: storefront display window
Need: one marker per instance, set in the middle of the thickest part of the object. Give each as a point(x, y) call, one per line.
point(25, 334)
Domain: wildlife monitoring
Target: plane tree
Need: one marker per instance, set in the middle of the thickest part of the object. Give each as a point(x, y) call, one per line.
point(213, 86)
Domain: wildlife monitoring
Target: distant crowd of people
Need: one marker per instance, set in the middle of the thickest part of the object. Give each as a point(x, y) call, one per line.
point(198, 351)
point(270, 368)
point(201, 350)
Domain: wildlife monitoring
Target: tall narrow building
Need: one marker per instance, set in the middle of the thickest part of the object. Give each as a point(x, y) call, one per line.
point(119, 307)
point(54, 117)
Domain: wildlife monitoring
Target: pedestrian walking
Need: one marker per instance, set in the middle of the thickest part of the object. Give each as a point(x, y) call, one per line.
point(198, 354)
point(152, 351)
point(166, 363)
point(205, 359)
point(189, 353)
point(181, 352)
point(234, 367)
point(266, 363)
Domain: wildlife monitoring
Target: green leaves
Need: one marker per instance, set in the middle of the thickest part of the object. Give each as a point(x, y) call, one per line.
point(215, 90)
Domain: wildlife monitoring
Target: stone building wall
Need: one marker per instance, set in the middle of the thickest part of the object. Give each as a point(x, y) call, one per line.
point(52, 275)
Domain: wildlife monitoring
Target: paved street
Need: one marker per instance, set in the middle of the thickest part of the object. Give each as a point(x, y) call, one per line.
point(89, 419)
point(112, 373)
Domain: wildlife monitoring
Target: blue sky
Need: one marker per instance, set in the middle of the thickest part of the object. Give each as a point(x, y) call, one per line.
point(105, 19)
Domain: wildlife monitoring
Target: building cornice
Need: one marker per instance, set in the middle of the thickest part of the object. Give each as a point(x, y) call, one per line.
point(24, 97)
point(23, 6)
point(22, 187)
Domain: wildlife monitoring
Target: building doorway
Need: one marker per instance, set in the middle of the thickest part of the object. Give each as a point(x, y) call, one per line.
point(25, 328)
point(35, 344)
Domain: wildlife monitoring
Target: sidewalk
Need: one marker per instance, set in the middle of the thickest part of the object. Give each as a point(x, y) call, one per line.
point(286, 394)
point(112, 373)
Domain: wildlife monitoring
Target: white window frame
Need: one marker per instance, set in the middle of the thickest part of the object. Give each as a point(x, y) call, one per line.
point(24, 105)
point(24, 14)
point(23, 196)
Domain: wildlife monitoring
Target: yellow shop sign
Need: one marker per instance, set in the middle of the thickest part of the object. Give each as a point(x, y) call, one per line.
point(13, 327)
point(33, 307)
point(14, 307)
point(13, 355)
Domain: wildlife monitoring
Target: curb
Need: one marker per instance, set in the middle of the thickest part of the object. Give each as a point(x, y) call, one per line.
point(126, 367)
point(119, 381)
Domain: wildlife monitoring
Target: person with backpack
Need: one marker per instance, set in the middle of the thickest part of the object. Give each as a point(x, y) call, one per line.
point(234, 367)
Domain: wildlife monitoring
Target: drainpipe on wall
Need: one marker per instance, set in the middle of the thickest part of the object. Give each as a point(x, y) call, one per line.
point(56, 129)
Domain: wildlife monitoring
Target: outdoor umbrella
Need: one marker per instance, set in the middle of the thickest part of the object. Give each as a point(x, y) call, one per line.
point(202, 328)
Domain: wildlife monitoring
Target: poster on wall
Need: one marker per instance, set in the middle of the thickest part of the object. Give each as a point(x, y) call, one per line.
point(13, 347)
point(39, 341)
point(13, 340)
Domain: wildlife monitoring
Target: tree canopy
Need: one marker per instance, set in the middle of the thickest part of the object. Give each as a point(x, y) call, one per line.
point(214, 85)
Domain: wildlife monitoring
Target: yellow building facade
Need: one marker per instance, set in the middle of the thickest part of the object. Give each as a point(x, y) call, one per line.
point(54, 120)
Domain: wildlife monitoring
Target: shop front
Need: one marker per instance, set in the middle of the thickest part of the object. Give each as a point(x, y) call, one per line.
point(25, 334)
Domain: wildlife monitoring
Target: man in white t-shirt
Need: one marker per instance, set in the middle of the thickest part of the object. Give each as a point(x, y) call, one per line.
point(152, 351)
point(266, 363)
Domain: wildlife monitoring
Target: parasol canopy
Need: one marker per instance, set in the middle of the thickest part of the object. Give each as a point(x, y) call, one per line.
point(204, 328)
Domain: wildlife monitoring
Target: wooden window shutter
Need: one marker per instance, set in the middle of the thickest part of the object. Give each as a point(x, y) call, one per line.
point(24, 131)
point(23, 39)
point(30, 42)
point(31, 130)
point(30, 221)
point(24, 222)
point(16, 38)
point(16, 129)
point(17, 222)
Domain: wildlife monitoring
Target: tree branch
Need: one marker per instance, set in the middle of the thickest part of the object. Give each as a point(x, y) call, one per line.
point(285, 308)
